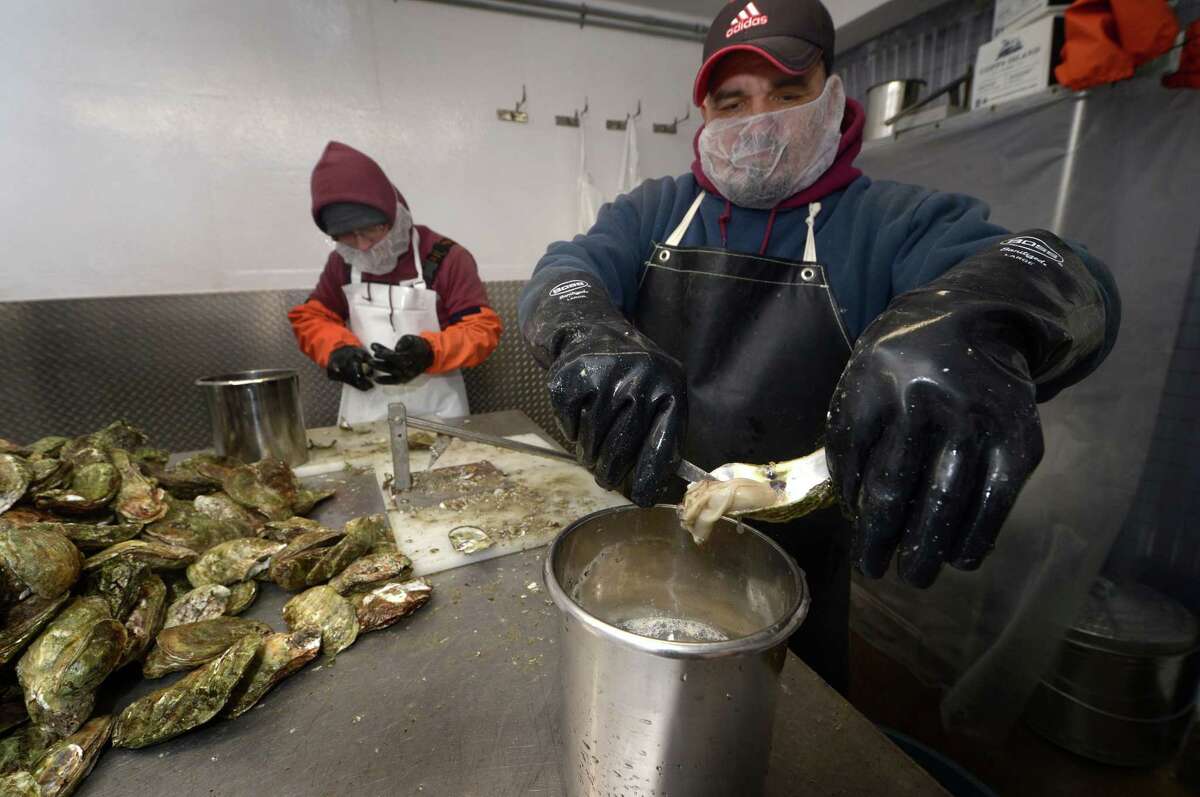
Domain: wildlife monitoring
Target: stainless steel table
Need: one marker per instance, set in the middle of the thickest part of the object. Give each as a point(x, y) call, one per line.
point(459, 700)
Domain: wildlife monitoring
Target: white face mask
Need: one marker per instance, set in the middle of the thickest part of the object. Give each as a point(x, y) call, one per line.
point(759, 161)
point(381, 258)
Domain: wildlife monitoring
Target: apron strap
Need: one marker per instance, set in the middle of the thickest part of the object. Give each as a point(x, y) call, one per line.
point(677, 236)
point(810, 246)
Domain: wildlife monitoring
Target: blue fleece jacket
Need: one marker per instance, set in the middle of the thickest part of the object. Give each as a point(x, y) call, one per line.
point(875, 239)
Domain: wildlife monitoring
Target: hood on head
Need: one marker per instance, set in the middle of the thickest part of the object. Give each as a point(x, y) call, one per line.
point(343, 174)
point(836, 177)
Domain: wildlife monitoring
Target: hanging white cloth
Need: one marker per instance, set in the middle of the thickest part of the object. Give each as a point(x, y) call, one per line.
point(630, 176)
point(590, 197)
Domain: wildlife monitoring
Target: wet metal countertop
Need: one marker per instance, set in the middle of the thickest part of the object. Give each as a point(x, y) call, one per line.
point(459, 700)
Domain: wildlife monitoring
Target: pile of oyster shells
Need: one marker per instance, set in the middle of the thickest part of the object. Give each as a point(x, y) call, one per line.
point(111, 559)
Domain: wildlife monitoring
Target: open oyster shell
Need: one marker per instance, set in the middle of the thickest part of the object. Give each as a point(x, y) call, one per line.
point(188, 703)
point(183, 647)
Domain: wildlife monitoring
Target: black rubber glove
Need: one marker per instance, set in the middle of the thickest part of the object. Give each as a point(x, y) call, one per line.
point(351, 365)
point(616, 395)
point(412, 357)
point(934, 426)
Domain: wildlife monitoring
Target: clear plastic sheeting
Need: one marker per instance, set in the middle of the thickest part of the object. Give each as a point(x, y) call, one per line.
point(1114, 169)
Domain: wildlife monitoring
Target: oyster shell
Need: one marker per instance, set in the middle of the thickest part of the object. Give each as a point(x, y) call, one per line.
point(139, 500)
point(183, 647)
point(91, 536)
point(118, 582)
point(201, 603)
point(331, 615)
point(376, 528)
point(24, 620)
point(120, 434)
point(93, 485)
point(358, 541)
point(153, 554)
point(280, 656)
point(66, 763)
point(241, 597)
point(22, 748)
point(220, 506)
point(233, 561)
point(63, 667)
point(145, 619)
point(469, 539)
point(287, 530)
point(47, 447)
point(49, 474)
point(12, 705)
point(188, 703)
point(42, 561)
point(267, 486)
point(384, 604)
point(194, 476)
point(291, 566)
point(185, 526)
point(19, 784)
point(306, 499)
point(371, 570)
point(15, 478)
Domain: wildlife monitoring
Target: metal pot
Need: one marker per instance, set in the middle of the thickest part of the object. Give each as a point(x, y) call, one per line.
point(257, 414)
point(885, 100)
point(1124, 685)
point(671, 652)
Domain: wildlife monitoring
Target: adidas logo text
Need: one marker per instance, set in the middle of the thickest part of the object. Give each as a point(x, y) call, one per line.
point(748, 17)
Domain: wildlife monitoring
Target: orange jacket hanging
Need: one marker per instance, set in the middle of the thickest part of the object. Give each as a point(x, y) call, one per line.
point(1106, 40)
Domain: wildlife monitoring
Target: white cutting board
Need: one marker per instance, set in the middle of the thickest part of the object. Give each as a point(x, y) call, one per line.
point(563, 493)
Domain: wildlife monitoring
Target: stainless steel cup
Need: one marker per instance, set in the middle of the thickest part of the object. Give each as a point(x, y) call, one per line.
point(688, 710)
point(257, 414)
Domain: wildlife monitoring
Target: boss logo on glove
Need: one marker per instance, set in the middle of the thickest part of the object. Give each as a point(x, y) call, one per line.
point(570, 290)
point(1028, 245)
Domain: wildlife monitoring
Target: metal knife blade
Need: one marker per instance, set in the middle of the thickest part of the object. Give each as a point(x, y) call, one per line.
point(691, 473)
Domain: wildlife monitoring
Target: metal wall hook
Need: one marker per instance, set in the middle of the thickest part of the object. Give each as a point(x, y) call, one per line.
point(517, 114)
point(572, 121)
point(673, 127)
point(622, 124)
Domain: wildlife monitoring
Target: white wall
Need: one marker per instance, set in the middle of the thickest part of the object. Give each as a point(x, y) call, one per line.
point(165, 146)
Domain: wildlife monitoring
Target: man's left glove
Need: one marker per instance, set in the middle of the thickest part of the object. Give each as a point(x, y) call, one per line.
point(412, 357)
point(934, 427)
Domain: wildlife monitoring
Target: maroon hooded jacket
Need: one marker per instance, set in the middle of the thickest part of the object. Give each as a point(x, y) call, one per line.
point(470, 329)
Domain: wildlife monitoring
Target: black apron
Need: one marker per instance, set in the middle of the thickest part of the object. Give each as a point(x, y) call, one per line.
point(763, 346)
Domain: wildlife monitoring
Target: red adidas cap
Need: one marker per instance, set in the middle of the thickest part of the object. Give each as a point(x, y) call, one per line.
point(791, 34)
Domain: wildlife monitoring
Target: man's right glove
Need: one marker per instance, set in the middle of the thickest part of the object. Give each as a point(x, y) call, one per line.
point(617, 396)
point(351, 365)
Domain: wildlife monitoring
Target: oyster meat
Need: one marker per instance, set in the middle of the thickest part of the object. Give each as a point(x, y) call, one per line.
point(371, 570)
point(66, 763)
point(280, 656)
point(38, 560)
point(384, 604)
point(63, 667)
point(775, 493)
point(15, 478)
point(155, 555)
point(183, 647)
point(233, 561)
point(145, 619)
point(139, 500)
point(188, 703)
point(328, 613)
point(201, 603)
point(24, 620)
point(91, 536)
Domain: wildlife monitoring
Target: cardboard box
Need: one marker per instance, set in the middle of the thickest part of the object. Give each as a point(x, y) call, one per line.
point(1013, 15)
point(1018, 63)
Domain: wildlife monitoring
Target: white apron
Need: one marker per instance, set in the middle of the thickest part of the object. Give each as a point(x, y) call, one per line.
point(383, 314)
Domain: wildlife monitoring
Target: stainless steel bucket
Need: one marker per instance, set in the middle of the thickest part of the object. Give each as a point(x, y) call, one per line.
point(885, 100)
point(665, 714)
point(257, 414)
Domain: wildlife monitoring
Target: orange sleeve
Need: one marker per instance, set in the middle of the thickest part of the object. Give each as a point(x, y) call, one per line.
point(465, 344)
point(320, 331)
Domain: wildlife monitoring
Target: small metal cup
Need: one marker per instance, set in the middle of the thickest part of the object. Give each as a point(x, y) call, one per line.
point(652, 715)
point(257, 414)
